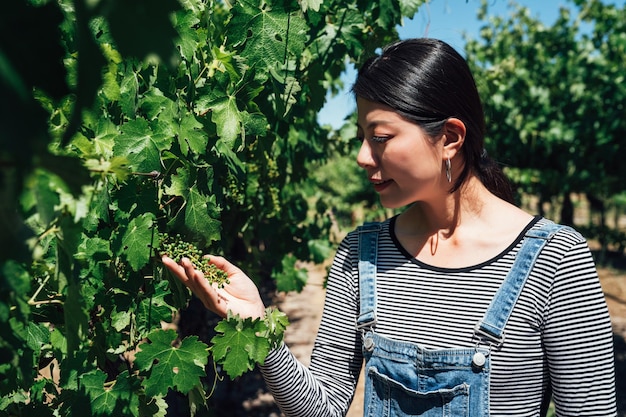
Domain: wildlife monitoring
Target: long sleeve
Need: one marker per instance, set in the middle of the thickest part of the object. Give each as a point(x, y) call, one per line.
point(578, 339)
point(325, 388)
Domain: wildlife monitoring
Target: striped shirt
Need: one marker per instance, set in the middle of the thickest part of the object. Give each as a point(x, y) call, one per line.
point(558, 339)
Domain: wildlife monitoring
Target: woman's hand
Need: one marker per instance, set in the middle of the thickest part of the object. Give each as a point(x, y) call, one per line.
point(240, 296)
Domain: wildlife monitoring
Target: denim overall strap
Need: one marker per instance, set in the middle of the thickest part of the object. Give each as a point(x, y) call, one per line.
point(368, 251)
point(491, 327)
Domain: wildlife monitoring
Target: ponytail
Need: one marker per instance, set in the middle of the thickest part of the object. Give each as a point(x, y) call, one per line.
point(494, 179)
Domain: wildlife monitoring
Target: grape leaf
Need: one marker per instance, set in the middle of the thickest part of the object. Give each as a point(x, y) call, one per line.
point(188, 40)
point(227, 118)
point(310, 4)
point(111, 399)
point(201, 212)
point(288, 277)
point(106, 133)
point(15, 397)
point(320, 250)
point(165, 127)
point(267, 32)
point(137, 144)
point(197, 216)
point(120, 319)
point(224, 61)
point(58, 341)
point(153, 407)
point(350, 31)
point(170, 366)
point(35, 335)
point(287, 92)
point(180, 183)
point(156, 105)
point(153, 310)
point(255, 123)
point(191, 136)
point(93, 249)
point(197, 400)
point(409, 7)
point(235, 164)
point(239, 344)
point(129, 87)
point(43, 194)
point(276, 322)
point(389, 12)
point(14, 279)
point(110, 86)
point(136, 241)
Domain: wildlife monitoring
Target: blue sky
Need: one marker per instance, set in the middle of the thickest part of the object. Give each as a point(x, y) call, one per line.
point(447, 20)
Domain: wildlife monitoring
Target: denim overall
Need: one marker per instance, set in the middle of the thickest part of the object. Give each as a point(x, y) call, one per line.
point(405, 379)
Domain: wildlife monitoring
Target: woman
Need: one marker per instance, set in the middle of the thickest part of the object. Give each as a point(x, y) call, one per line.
point(407, 295)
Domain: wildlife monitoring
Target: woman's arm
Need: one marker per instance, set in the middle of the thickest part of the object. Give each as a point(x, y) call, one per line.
point(327, 387)
point(579, 340)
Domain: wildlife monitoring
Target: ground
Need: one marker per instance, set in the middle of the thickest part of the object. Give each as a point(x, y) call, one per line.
point(249, 397)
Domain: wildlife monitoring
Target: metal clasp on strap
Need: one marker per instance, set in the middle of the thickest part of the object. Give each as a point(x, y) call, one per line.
point(369, 320)
point(492, 339)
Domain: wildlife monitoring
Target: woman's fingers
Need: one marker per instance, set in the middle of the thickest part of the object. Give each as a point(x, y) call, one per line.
point(193, 274)
point(176, 269)
point(241, 295)
point(223, 264)
point(194, 279)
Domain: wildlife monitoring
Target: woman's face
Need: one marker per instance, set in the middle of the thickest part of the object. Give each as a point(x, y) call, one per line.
point(403, 163)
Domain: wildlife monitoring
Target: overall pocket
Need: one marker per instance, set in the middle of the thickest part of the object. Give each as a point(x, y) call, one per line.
point(390, 398)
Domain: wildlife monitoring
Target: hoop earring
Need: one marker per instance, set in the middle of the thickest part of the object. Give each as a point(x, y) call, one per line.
point(448, 170)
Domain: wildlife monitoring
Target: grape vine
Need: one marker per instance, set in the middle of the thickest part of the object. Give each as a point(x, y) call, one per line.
point(195, 117)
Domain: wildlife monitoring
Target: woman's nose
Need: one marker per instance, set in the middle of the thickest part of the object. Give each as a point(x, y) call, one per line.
point(365, 157)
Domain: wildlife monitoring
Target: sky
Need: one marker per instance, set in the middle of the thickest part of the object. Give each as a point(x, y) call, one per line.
point(447, 20)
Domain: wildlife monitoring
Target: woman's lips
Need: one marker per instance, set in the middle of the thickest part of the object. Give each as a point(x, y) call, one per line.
point(381, 185)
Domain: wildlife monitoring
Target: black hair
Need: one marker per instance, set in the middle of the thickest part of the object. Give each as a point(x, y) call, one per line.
point(427, 82)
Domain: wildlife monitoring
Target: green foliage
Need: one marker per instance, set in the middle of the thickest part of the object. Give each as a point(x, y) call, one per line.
point(242, 343)
point(121, 122)
point(554, 97)
point(169, 366)
point(290, 277)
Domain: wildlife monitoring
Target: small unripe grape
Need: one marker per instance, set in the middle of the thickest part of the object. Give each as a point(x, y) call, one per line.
point(176, 248)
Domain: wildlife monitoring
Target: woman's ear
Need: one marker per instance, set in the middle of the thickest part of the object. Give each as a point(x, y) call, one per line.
point(453, 136)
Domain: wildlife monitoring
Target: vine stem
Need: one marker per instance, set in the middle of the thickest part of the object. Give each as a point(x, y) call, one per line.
point(215, 379)
point(52, 229)
point(32, 299)
point(201, 73)
point(326, 53)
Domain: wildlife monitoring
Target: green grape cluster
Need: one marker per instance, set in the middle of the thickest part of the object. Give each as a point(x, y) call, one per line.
point(235, 190)
point(176, 248)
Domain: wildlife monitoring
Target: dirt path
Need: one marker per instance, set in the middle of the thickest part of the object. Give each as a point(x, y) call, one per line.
point(304, 310)
point(614, 287)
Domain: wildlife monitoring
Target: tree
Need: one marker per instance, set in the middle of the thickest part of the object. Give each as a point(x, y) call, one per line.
point(126, 124)
point(555, 98)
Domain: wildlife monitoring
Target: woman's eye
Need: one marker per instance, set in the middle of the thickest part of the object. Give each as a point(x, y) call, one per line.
point(380, 139)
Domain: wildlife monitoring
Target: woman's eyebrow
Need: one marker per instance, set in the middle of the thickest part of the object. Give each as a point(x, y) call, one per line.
point(374, 123)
